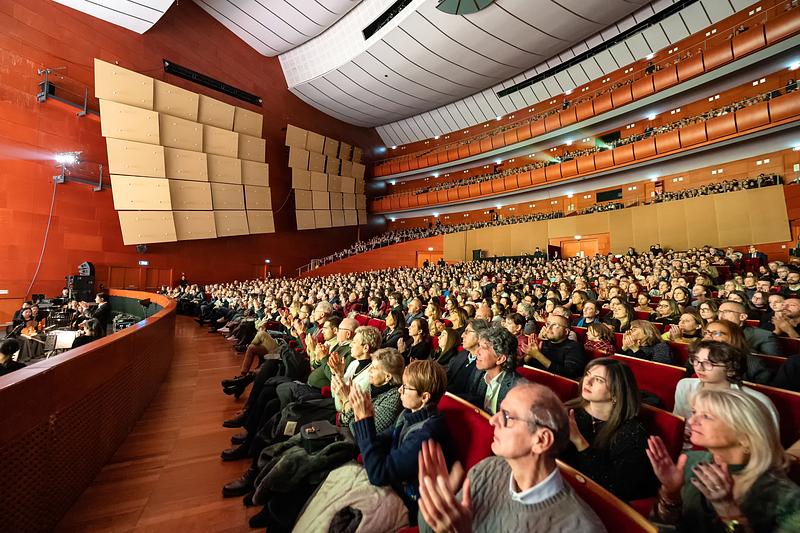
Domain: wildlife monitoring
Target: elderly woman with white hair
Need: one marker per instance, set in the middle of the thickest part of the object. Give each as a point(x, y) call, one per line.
point(739, 484)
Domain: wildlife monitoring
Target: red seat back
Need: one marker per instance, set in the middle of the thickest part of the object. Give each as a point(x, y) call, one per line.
point(565, 388)
point(642, 315)
point(656, 378)
point(469, 428)
point(615, 514)
point(788, 405)
point(581, 333)
point(618, 341)
point(666, 425)
point(434, 342)
point(680, 352)
point(376, 323)
point(362, 320)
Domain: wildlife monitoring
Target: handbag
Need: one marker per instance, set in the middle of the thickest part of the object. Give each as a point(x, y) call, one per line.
point(317, 435)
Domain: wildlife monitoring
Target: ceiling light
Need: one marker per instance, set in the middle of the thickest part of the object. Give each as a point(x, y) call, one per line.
point(430, 248)
point(394, 147)
point(436, 136)
point(435, 174)
point(577, 237)
point(568, 92)
point(498, 161)
point(649, 56)
point(795, 65)
point(267, 261)
point(436, 215)
point(498, 118)
point(651, 116)
point(392, 219)
point(67, 158)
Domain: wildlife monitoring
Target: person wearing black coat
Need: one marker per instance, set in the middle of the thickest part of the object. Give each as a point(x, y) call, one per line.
point(102, 313)
point(462, 366)
point(394, 329)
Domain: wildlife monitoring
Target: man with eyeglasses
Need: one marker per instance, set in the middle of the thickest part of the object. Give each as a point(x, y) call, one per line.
point(759, 340)
point(461, 368)
point(554, 351)
point(518, 489)
point(496, 361)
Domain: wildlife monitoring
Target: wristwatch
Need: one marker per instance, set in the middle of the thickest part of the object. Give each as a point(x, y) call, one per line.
point(733, 525)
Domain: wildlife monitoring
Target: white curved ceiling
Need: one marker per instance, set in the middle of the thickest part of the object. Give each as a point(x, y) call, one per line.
point(276, 26)
point(431, 58)
point(135, 15)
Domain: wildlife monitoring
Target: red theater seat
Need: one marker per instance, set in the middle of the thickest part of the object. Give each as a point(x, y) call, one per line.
point(615, 514)
point(656, 378)
point(470, 429)
point(362, 320)
point(788, 405)
point(376, 323)
point(565, 388)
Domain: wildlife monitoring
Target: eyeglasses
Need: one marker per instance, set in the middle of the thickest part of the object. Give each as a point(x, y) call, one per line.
point(506, 417)
point(715, 334)
point(704, 365)
point(403, 387)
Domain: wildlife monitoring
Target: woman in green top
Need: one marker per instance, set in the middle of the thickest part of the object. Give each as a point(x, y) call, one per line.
point(739, 484)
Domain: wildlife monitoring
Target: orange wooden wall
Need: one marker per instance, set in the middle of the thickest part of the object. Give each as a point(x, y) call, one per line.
point(42, 33)
point(396, 255)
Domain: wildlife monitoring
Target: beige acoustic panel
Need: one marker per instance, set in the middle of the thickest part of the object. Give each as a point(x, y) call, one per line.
point(247, 122)
point(298, 158)
point(231, 223)
point(322, 218)
point(362, 217)
point(305, 219)
point(358, 171)
point(252, 148)
point(258, 198)
point(702, 226)
point(330, 147)
point(260, 222)
point(191, 225)
point(215, 113)
point(122, 121)
point(175, 101)
point(226, 196)
point(455, 245)
point(337, 218)
point(348, 185)
point(301, 179)
point(591, 224)
point(218, 141)
point(645, 227)
point(359, 186)
point(361, 202)
point(336, 200)
point(671, 225)
point(332, 165)
point(186, 164)
point(345, 152)
point(135, 159)
point(223, 169)
point(334, 182)
point(621, 230)
point(769, 221)
point(350, 217)
point(357, 153)
point(320, 200)
point(190, 195)
point(137, 193)
point(316, 162)
point(145, 227)
point(303, 199)
point(255, 173)
point(731, 209)
point(347, 168)
point(181, 133)
point(296, 137)
point(319, 181)
point(112, 82)
point(348, 200)
point(315, 142)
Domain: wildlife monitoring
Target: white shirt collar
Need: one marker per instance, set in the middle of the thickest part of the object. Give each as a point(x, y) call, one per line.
point(547, 488)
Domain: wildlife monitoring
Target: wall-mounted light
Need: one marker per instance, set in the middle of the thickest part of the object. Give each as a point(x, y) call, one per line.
point(651, 116)
point(430, 248)
point(67, 158)
point(577, 237)
point(267, 261)
point(144, 263)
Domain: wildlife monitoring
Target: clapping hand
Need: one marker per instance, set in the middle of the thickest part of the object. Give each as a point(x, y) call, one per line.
point(668, 473)
point(336, 364)
point(361, 402)
point(716, 484)
point(401, 345)
point(339, 388)
point(575, 435)
point(437, 500)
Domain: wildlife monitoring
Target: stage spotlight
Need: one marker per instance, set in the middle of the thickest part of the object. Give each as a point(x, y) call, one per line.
point(67, 158)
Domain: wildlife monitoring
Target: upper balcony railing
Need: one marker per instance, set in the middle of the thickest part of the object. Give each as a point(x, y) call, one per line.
point(683, 61)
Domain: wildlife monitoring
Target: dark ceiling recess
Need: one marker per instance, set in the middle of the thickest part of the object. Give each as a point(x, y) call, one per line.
point(462, 7)
point(211, 83)
point(658, 17)
point(384, 19)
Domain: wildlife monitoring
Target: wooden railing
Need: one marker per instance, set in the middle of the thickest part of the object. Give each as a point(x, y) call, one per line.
point(62, 419)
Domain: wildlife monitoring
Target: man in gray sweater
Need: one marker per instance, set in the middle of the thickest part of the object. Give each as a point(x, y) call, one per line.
point(521, 488)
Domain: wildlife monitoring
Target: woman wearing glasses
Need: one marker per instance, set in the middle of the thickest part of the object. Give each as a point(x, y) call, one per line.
point(719, 366)
point(667, 312)
point(608, 439)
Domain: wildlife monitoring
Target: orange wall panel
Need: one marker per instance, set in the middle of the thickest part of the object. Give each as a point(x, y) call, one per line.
point(396, 255)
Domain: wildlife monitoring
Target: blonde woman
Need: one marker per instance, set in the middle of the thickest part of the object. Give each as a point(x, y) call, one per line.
point(739, 484)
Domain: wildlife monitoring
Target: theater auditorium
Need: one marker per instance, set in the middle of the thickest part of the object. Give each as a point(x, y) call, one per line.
point(400, 266)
